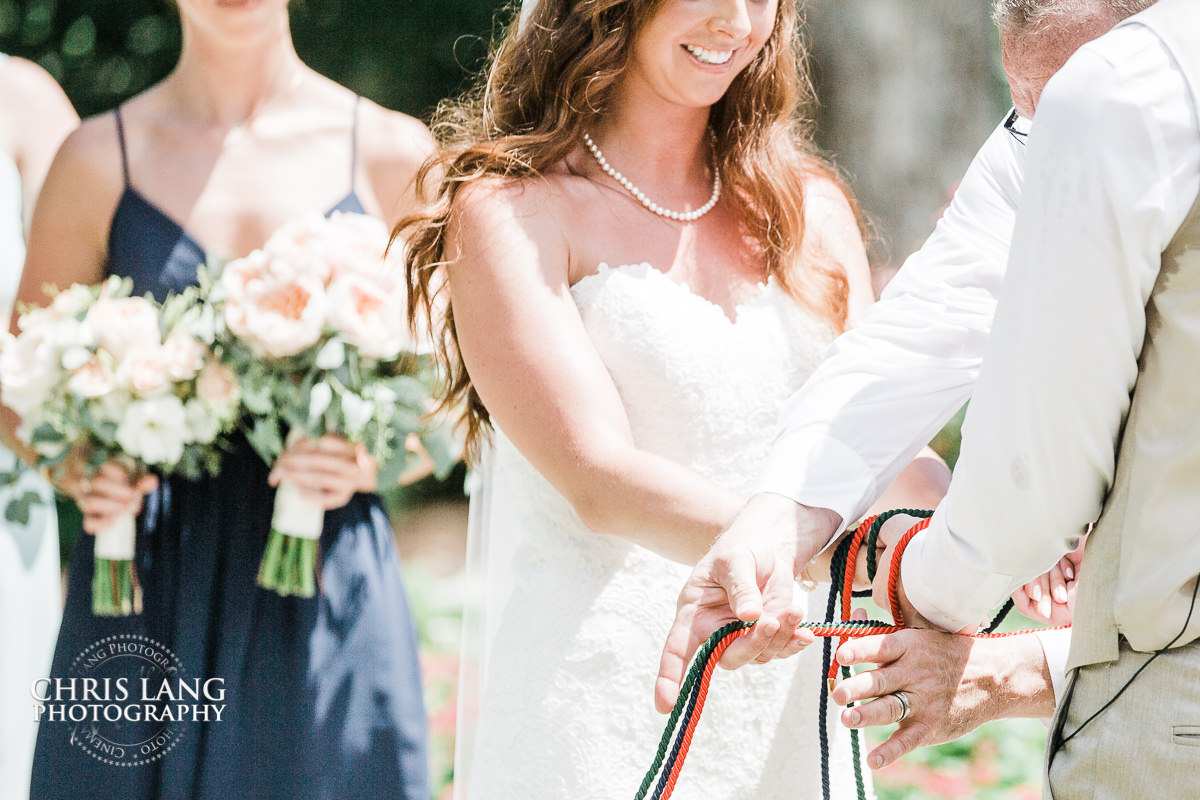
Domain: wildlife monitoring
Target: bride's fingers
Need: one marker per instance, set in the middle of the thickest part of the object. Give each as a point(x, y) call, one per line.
point(1058, 584)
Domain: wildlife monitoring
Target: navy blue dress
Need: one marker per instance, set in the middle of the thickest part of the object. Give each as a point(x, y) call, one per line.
point(322, 696)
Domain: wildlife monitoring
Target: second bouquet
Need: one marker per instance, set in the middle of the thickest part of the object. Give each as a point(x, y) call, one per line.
point(314, 324)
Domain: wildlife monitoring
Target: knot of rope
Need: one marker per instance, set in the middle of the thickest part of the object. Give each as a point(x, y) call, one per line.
point(681, 724)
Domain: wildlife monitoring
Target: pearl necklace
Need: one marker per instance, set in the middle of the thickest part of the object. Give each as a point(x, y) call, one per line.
point(681, 216)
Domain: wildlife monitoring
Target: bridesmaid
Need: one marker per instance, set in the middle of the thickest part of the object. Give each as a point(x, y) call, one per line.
point(35, 116)
point(322, 696)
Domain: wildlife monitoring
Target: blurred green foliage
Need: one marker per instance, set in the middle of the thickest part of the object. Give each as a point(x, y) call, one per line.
point(403, 54)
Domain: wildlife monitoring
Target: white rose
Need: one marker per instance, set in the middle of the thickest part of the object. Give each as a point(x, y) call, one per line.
point(154, 430)
point(29, 370)
point(92, 379)
point(111, 407)
point(72, 302)
point(202, 424)
point(123, 323)
point(368, 317)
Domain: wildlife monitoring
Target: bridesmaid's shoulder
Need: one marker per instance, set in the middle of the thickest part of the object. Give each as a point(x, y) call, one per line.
point(393, 138)
point(90, 158)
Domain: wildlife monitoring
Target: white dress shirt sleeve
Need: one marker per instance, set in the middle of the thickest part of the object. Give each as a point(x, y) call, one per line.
point(1112, 171)
point(1056, 644)
point(892, 382)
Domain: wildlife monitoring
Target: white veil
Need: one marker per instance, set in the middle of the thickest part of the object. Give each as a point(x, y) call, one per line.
point(490, 547)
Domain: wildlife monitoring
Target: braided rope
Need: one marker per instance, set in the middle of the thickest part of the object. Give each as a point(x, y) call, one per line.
point(694, 691)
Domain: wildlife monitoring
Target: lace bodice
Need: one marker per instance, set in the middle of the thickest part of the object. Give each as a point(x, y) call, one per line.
point(576, 619)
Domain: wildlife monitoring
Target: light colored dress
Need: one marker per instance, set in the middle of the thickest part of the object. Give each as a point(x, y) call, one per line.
point(564, 639)
point(30, 584)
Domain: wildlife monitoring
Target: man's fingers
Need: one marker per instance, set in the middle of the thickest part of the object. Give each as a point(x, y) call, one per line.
point(780, 602)
point(800, 639)
point(881, 649)
point(737, 574)
point(903, 741)
point(750, 646)
point(883, 710)
point(784, 642)
point(682, 642)
point(864, 686)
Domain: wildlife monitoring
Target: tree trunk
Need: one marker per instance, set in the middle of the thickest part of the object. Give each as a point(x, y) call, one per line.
point(909, 90)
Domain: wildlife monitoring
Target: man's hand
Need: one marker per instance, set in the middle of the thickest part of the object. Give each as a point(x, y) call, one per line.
point(749, 575)
point(953, 684)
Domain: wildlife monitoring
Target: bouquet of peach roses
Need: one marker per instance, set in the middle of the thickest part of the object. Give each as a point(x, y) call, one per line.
point(314, 323)
point(118, 378)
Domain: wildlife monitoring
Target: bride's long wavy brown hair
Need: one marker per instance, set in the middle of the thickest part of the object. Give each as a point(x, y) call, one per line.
point(547, 82)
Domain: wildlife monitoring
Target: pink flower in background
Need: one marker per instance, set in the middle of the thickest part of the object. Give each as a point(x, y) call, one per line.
point(143, 371)
point(302, 245)
point(183, 355)
point(217, 386)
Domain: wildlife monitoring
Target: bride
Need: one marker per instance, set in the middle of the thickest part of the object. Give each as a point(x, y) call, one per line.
point(641, 257)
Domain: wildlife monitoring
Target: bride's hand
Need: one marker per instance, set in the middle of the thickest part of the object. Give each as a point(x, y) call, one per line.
point(104, 496)
point(1050, 598)
point(328, 471)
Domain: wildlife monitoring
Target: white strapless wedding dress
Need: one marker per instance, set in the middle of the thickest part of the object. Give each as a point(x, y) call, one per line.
point(564, 639)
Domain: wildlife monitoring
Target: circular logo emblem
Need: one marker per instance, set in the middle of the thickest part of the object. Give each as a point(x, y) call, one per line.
point(126, 700)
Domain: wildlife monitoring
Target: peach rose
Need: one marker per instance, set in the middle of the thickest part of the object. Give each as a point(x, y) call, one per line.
point(301, 246)
point(217, 386)
point(183, 355)
point(238, 274)
point(278, 317)
point(357, 244)
point(123, 323)
point(368, 317)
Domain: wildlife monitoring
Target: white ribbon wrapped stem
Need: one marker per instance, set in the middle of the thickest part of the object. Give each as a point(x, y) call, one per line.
point(118, 541)
point(296, 515)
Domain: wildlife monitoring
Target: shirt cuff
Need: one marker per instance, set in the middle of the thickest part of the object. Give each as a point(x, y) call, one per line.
point(812, 468)
point(1055, 645)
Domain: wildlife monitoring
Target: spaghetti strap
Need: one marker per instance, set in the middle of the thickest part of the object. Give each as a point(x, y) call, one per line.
point(121, 142)
point(354, 143)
